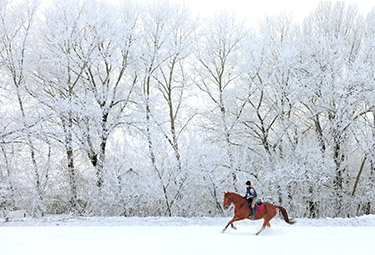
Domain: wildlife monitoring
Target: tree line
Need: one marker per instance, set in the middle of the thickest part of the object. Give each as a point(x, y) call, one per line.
point(145, 109)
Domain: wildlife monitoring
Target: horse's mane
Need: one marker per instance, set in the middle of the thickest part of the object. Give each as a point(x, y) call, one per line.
point(236, 195)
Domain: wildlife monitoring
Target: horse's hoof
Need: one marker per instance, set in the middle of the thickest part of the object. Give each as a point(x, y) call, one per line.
point(235, 228)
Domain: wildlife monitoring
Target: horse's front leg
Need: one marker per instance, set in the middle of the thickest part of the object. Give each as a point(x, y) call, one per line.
point(231, 223)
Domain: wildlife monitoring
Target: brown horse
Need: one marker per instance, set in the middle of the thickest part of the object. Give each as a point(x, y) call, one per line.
point(242, 211)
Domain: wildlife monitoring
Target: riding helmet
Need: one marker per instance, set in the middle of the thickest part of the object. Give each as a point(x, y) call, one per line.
point(248, 183)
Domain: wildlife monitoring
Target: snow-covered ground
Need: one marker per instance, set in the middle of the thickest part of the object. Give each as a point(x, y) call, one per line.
point(116, 235)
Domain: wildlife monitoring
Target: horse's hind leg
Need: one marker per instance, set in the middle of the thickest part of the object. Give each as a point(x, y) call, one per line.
point(265, 223)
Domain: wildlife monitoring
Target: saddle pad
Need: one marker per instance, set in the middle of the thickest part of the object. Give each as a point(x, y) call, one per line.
point(260, 208)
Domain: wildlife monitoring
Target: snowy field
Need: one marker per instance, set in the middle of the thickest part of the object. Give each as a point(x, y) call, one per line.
point(107, 236)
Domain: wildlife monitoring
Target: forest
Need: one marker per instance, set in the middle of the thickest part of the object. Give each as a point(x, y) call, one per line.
point(135, 109)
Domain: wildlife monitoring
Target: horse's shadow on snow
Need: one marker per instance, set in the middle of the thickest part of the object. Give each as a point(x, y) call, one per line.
point(251, 231)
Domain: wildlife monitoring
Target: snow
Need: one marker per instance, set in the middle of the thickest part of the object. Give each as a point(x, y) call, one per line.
point(160, 235)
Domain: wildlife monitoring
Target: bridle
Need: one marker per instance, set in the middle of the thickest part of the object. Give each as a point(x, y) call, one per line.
point(229, 201)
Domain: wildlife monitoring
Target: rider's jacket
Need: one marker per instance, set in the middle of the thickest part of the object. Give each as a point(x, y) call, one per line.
point(250, 193)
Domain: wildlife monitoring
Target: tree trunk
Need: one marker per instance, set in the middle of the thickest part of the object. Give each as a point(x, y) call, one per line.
point(319, 132)
point(339, 172)
point(150, 146)
point(359, 175)
point(312, 205)
point(227, 141)
point(68, 143)
point(102, 148)
point(39, 205)
point(9, 178)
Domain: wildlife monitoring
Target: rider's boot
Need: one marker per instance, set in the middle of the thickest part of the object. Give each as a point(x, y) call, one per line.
point(252, 212)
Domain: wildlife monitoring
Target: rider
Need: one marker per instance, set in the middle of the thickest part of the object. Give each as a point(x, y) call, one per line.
point(251, 197)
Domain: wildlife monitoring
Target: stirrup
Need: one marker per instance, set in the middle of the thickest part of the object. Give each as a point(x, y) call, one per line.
point(250, 215)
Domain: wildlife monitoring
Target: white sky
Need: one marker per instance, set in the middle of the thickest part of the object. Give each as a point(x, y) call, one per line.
point(254, 10)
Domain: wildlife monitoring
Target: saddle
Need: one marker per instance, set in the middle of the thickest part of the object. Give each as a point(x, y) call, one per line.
point(258, 206)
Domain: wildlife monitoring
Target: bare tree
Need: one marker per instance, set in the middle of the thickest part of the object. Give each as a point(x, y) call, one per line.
point(167, 44)
point(109, 78)
point(333, 32)
point(15, 40)
point(218, 75)
point(61, 67)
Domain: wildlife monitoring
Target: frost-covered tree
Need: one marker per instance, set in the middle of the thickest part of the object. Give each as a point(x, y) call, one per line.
point(363, 77)
point(333, 38)
point(109, 78)
point(16, 25)
point(167, 44)
point(218, 77)
point(62, 60)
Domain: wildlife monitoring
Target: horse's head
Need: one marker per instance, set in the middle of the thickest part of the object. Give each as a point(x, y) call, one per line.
point(227, 200)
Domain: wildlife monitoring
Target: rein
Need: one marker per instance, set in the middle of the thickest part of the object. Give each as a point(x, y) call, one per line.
point(229, 201)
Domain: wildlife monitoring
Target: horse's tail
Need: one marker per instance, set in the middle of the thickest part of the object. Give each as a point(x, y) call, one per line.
point(284, 214)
